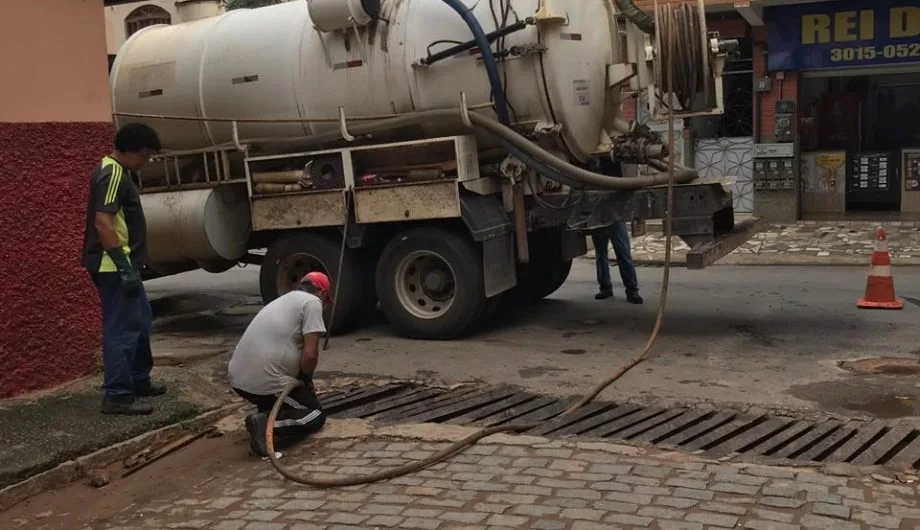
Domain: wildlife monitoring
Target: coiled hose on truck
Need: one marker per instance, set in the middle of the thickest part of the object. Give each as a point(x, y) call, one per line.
point(571, 172)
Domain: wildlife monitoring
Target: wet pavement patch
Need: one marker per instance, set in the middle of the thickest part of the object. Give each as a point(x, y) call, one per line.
point(882, 366)
point(203, 322)
point(880, 396)
point(178, 304)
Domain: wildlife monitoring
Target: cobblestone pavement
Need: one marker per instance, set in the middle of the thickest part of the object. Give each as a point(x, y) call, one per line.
point(801, 243)
point(541, 485)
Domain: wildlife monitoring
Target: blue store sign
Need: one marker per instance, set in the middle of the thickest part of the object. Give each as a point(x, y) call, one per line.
point(843, 34)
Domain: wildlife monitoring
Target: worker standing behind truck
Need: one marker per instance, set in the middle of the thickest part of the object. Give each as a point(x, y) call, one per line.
point(114, 249)
point(279, 347)
point(618, 234)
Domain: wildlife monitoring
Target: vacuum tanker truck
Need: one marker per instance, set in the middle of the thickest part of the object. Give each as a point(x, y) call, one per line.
point(436, 156)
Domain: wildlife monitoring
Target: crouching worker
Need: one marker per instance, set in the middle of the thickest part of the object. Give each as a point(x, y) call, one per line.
point(281, 346)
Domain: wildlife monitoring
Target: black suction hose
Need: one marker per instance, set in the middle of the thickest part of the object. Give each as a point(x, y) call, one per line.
point(501, 106)
point(640, 18)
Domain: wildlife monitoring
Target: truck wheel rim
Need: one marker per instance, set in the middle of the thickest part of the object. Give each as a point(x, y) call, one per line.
point(425, 284)
point(293, 267)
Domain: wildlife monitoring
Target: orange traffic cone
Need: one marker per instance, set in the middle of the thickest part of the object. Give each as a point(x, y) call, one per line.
point(880, 283)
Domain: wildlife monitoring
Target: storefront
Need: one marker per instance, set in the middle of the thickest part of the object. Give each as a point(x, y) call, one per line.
point(856, 139)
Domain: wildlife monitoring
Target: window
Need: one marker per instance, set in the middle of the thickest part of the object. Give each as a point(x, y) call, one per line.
point(145, 16)
point(738, 94)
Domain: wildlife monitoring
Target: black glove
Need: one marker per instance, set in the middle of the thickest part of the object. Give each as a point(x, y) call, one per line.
point(130, 278)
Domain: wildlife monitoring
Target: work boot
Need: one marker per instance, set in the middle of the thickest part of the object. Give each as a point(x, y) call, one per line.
point(149, 389)
point(604, 293)
point(127, 408)
point(255, 425)
point(634, 298)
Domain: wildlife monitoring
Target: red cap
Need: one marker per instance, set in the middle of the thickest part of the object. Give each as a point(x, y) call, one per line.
point(320, 281)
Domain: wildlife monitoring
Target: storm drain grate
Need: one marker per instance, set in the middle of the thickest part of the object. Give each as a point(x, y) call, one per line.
point(716, 433)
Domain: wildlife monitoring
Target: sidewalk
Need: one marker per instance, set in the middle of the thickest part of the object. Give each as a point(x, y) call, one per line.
point(40, 432)
point(516, 482)
point(804, 243)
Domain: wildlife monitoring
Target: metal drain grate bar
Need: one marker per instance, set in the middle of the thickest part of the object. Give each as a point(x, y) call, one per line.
point(700, 429)
point(632, 416)
point(570, 424)
point(879, 449)
point(908, 457)
point(360, 397)
point(396, 401)
point(538, 410)
point(825, 447)
point(736, 427)
point(808, 439)
point(774, 444)
point(636, 429)
point(453, 410)
point(407, 410)
point(666, 430)
point(746, 441)
point(551, 410)
point(865, 436)
point(515, 404)
point(717, 433)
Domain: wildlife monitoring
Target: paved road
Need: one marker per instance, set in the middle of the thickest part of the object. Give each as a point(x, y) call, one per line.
point(540, 485)
point(767, 337)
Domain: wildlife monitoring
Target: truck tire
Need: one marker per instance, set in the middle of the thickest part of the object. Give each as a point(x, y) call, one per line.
point(430, 284)
point(488, 317)
point(545, 273)
point(537, 280)
point(559, 276)
point(367, 312)
point(290, 257)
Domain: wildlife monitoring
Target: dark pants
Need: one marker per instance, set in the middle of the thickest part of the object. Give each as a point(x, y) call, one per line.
point(618, 234)
point(126, 352)
point(300, 416)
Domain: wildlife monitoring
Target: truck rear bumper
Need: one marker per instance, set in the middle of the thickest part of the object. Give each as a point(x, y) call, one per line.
point(708, 253)
point(703, 217)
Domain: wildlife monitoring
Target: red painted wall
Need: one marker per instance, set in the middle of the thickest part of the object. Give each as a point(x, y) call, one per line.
point(55, 123)
point(49, 316)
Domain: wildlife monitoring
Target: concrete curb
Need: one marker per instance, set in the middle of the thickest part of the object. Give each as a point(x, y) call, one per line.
point(745, 260)
point(786, 261)
point(80, 467)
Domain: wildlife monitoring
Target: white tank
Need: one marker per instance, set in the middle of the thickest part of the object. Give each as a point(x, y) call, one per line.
point(272, 62)
point(208, 227)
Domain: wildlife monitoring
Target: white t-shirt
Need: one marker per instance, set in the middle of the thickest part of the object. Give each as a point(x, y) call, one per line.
point(267, 357)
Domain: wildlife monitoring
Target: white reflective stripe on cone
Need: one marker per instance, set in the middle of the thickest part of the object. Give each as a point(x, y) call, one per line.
point(880, 270)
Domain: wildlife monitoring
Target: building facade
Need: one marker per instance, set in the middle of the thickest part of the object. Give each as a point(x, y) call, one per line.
point(856, 133)
point(124, 19)
point(55, 123)
point(822, 109)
